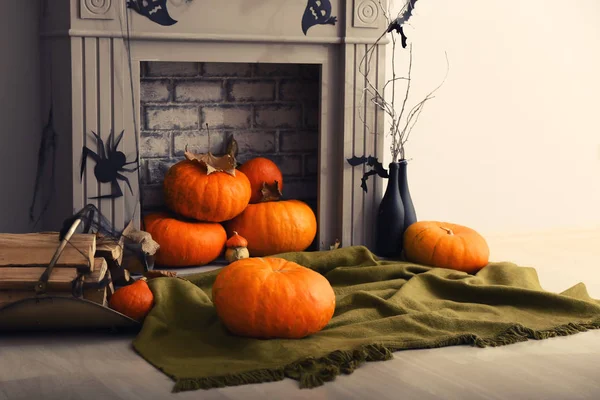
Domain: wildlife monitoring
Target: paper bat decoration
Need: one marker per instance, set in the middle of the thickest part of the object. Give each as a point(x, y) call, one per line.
point(397, 24)
point(109, 165)
point(155, 10)
point(317, 12)
point(371, 162)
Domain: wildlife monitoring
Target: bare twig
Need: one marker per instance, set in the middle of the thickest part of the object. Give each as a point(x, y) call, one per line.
point(428, 97)
point(399, 78)
point(402, 120)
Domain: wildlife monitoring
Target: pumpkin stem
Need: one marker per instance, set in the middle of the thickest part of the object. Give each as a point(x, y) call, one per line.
point(270, 192)
point(448, 230)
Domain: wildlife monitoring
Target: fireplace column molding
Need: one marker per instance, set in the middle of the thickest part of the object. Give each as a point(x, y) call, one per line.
point(363, 122)
point(92, 91)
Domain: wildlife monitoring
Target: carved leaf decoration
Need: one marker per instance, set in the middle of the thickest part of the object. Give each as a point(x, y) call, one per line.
point(213, 163)
point(270, 192)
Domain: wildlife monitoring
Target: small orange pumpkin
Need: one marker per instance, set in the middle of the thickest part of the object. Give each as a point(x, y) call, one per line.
point(237, 248)
point(135, 300)
point(446, 245)
point(184, 243)
point(236, 240)
point(190, 191)
point(261, 170)
point(272, 298)
point(275, 227)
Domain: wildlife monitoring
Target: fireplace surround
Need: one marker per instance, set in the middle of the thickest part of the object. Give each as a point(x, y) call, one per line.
point(94, 53)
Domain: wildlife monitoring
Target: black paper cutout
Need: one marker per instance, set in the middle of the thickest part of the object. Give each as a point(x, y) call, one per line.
point(371, 162)
point(109, 164)
point(46, 154)
point(155, 10)
point(317, 12)
point(397, 24)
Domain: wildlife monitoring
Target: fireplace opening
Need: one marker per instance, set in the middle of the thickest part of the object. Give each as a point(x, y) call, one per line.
point(272, 111)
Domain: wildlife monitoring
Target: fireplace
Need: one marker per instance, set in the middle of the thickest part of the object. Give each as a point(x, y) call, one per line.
point(248, 70)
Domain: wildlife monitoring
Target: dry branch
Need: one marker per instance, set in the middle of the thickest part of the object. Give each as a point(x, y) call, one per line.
point(402, 121)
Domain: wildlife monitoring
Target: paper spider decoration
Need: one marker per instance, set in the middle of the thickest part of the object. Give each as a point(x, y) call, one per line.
point(109, 164)
point(155, 10)
point(317, 12)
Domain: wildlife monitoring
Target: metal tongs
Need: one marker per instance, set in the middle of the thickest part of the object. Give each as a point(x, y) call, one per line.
point(42, 284)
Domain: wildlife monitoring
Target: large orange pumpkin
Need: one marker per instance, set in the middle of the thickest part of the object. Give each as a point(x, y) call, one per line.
point(446, 245)
point(275, 227)
point(184, 243)
point(261, 170)
point(272, 298)
point(215, 197)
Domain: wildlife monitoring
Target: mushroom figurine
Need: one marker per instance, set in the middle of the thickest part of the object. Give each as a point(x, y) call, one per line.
point(236, 248)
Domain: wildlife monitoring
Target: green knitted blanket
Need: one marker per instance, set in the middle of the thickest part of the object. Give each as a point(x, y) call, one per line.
point(382, 307)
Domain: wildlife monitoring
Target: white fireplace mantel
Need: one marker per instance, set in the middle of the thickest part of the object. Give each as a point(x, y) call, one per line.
point(95, 86)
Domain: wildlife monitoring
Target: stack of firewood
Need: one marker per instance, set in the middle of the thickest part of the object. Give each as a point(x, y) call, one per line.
point(113, 251)
point(88, 267)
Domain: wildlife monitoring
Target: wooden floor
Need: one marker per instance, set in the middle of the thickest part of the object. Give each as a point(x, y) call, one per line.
point(105, 367)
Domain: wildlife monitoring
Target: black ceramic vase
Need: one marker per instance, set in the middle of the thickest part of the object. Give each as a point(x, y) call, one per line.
point(410, 216)
point(390, 218)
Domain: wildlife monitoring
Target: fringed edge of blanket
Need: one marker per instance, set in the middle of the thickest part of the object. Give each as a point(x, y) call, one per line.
point(313, 372)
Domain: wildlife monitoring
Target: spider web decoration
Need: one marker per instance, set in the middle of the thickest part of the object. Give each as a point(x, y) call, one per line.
point(109, 164)
point(94, 222)
point(46, 154)
point(317, 12)
point(126, 32)
point(155, 10)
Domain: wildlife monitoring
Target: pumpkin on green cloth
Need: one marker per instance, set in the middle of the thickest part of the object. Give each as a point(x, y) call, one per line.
point(446, 245)
point(272, 298)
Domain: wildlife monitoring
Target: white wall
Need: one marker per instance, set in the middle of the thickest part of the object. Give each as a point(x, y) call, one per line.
point(511, 143)
point(20, 124)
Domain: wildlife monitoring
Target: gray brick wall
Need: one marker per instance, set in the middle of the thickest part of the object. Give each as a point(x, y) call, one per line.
point(271, 109)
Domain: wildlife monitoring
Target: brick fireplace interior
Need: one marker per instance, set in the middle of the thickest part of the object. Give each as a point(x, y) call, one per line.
point(271, 109)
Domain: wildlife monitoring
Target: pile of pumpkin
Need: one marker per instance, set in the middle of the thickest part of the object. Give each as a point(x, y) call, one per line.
point(308, 297)
point(211, 199)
